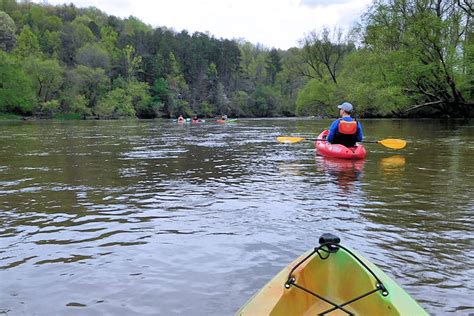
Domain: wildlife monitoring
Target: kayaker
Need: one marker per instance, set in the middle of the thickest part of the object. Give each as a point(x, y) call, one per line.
point(346, 130)
point(224, 117)
point(180, 118)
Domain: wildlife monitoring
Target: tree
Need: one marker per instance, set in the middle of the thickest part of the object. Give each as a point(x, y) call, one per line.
point(7, 32)
point(115, 103)
point(266, 101)
point(132, 62)
point(141, 99)
point(221, 101)
point(16, 91)
point(273, 65)
point(290, 80)
point(28, 44)
point(178, 90)
point(239, 104)
point(159, 96)
point(94, 56)
point(315, 98)
point(323, 53)
point(77, 104)
point(366, 81)
point(429, 38)
point(228, 64)
point(51, 43)
point(47, 76)
point(74, 35)
point(92, 83)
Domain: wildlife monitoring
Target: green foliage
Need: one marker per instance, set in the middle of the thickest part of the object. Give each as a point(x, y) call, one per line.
point(128, 100)
point(47, 76)
point(133, 26)
point(132, 62)
point(51, 43)
point(77, 104)
point(160, 90)
point(316, 98)
point(28, 44)
point(90, 82)
point(239, 104)
point(16, 91)
point(266, 101)
point(94, 56)
point(159, 97)
point(74, 35)
point(429, 47)
point(177, 90)
point(216, 94)
point(7, 32)
point(323, 53)
point(206, 109)
point(49, 107)
point(116, 103)
point(141, 99)
point(109, 42)
point(80, 61)
point(369, 83)
point(273, 65)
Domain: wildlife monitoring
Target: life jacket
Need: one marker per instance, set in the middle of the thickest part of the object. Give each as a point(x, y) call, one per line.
point(346, 133)
point(347, 127)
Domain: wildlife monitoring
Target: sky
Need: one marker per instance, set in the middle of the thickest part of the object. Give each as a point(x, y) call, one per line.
point(272, 23)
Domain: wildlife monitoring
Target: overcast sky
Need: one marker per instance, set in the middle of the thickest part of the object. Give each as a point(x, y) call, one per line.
point(273, 23)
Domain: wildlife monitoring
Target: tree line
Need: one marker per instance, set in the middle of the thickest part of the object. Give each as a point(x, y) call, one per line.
point(403, 58)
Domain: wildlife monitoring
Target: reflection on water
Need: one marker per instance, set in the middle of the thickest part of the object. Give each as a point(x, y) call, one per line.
point(393, 164)
point(152, 217)
point(344, 171)
point(290, 169)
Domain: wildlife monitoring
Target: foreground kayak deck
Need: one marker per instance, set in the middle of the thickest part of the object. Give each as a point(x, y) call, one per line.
point(331, 280)
point(327, 149)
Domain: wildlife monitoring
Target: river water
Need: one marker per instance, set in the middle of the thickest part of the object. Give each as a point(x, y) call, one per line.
point(156, 218)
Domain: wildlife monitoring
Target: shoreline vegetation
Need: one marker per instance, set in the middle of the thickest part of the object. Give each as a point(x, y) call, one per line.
point(402, 60)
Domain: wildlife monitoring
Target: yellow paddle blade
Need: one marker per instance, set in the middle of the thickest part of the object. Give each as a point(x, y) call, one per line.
point(289, 140)
point(393, 143)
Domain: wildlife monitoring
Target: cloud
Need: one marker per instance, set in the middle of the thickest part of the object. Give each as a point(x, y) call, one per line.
point(315, 3)
point(273, 23)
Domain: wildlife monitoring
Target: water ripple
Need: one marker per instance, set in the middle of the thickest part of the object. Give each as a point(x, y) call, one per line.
point(197, 218)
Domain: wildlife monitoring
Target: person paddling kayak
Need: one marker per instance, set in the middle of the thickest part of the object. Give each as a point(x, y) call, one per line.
point(345, 130)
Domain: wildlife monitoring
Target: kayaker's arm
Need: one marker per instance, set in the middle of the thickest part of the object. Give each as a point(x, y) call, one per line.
point(359, 134)
point(332, 131)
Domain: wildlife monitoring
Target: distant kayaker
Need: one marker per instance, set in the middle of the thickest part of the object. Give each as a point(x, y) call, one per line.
point(224, 117)
point(180, 118)
point(346, 130)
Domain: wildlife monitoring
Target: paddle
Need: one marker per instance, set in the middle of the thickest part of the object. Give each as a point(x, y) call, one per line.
point(388, 142)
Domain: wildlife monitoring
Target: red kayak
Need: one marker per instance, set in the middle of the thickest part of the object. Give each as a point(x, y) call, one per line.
point(327, 149)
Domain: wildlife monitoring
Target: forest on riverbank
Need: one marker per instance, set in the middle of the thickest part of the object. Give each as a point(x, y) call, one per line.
point(404, 58)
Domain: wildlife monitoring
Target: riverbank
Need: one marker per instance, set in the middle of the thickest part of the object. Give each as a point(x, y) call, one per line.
point(79, 117)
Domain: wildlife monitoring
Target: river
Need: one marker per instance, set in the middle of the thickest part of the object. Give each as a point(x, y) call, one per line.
point(157, 218)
